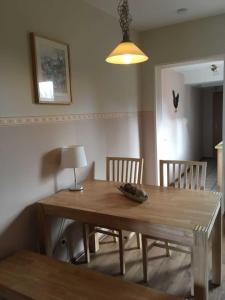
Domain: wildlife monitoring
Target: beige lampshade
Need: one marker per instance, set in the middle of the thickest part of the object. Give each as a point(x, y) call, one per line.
point(73, 157)
point(126, 53)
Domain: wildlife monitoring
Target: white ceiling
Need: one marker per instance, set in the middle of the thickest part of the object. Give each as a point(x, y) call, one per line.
point(156, 13)
point(200, 73)
point(198, 66)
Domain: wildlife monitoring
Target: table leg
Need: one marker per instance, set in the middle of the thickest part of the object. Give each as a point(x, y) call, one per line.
point(86, 242)
point(121, 250)
point(138, 237)
point(44, 233)
point(145, 257)
point(167, 249)
point(192, 274)
point(217, 250)
point(200, 263)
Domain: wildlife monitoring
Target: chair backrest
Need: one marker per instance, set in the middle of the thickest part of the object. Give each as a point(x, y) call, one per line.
point(183, 174)
point(124, 169)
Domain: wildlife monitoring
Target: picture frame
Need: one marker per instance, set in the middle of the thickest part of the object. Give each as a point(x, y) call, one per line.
point(51, 70)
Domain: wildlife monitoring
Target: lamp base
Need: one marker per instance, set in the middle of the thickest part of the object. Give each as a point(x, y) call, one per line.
point(76, 188)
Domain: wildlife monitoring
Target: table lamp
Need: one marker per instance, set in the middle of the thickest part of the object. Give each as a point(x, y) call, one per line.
point(73, 157)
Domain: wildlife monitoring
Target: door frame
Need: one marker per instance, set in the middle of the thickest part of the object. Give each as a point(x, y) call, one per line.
point(158, 108)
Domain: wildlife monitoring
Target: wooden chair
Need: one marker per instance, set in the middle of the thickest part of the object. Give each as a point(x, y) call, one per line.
point(183, 174)
point(123, 170)
point(178, 174)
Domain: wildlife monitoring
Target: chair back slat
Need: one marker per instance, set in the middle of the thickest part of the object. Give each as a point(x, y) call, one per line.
point(126, 177)
point(174, 175)
point(191, 182)
point(187, 177)
point(124, 169)
point(197, 177)
point(183, 174)
point(168, 174)
point(179, 176)
point(135, 170)
point(118, 169)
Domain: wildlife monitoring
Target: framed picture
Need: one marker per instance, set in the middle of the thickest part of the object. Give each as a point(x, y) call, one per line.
point(51, 68)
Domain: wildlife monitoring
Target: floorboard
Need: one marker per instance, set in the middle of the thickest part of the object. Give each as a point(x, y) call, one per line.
point(211, 178)
point(167, 274)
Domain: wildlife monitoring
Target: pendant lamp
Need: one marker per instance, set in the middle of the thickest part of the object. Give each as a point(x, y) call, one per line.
point(126, 52)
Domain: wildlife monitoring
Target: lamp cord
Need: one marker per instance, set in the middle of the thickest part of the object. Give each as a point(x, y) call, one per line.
point(125, 19)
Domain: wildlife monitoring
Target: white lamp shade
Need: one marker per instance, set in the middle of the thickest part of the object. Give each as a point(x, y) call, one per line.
point(73, 157)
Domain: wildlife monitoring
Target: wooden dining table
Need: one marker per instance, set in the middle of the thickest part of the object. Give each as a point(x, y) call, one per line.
point(185, 217)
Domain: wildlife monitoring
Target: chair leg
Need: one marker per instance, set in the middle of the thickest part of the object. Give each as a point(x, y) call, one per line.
point(145, 257)
point(168, 253)
point(115, 239)
point(86, 242)
point(139, 244)
point(192, 275)
point(93, 239)
point(121, 250)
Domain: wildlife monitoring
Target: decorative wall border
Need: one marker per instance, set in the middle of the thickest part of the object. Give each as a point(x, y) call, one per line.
point(34, 120)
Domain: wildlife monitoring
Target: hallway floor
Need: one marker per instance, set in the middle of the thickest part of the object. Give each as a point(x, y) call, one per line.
point(211, 177)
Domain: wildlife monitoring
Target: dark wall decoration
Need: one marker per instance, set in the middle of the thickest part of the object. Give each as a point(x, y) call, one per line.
point(175, 100)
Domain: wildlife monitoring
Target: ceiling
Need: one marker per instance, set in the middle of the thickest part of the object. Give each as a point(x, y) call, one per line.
point(198, 66)
point(156, 13)
point(200, 74)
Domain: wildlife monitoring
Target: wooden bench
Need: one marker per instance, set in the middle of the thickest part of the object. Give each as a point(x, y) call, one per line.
point(28, 275)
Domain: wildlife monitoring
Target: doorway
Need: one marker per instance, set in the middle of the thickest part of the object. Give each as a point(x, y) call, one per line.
point(181, 135)
point(217, 117)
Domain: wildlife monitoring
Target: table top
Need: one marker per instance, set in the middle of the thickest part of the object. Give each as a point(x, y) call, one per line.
point(177, 208)
point(28, 275)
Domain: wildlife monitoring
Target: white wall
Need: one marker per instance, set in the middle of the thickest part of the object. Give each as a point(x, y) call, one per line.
point(180, 134)
point(30, 171)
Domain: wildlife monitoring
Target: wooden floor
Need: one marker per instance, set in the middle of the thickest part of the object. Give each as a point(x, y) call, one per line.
point(168, 274)
point(211, 175)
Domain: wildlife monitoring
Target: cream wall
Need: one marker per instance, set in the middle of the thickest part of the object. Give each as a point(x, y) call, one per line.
point(29, 169)
point(29, 159)
point(188, 41)
point(91, 34)
point(28, 152)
